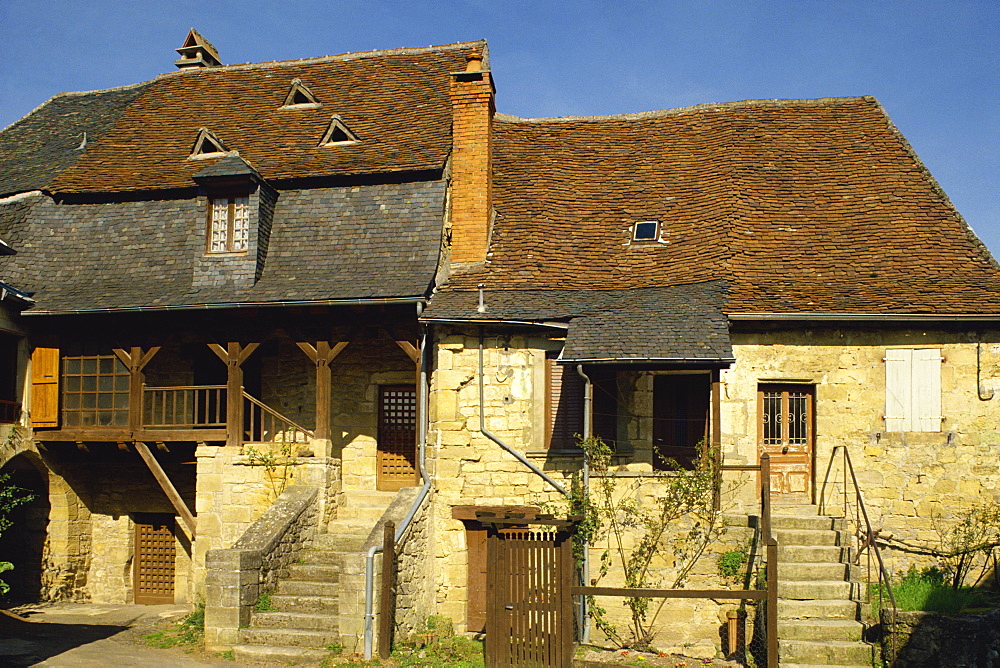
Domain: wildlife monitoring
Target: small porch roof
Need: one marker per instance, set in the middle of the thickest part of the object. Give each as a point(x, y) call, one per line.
point(681, 324)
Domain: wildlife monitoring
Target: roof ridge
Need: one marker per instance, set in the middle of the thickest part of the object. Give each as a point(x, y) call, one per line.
point(341, 57)
point(659, 113)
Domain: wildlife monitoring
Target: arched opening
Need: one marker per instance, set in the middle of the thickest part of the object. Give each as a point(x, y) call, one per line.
point(23, 543)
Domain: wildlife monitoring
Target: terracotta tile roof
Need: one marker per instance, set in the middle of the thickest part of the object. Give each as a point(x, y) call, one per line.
point(396, 102)
point(801, 205)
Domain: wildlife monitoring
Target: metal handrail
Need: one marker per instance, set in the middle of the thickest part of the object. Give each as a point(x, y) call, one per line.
point(286, 424)
point(870, 534)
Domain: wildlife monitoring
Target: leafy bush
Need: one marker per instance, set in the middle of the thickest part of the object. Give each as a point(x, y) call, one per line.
point(731, 564)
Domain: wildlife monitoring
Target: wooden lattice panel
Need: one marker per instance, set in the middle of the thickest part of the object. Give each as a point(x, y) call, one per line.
point(155, 555)
point(397, 436)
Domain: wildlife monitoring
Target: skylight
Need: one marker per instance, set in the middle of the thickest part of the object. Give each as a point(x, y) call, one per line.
point(647, 230)
point(300, 97)
point(338, 133)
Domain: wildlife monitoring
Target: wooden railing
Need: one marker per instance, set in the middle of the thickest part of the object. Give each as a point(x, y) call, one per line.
point(263, 424)
point(856, 514)
point(184, 407)
point(10, 411)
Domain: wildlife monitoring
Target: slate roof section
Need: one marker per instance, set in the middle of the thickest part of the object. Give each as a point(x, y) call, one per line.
point(678, 323)
point(364, 242)
point(38, 147)
point(395, 101)
point(802, 206)
point(232, 165)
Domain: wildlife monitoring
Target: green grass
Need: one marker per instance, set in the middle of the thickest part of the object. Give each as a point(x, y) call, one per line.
point(264, 603)
point(455, 651)
point(926, 590)
point(188, 631)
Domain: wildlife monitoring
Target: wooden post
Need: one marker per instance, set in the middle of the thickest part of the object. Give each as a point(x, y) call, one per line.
point(322, 354)
point(136, 360)
point(233, 355)
point(167, 486)
point(771, 623)
point(385, 619)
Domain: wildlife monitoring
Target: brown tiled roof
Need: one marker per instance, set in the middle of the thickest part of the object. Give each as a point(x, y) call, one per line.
point(801, 205)
point(396, 102)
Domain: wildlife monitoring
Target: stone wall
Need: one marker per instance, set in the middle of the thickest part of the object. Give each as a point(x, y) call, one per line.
point(933, 639)
point(237, 576)
point(414, 591)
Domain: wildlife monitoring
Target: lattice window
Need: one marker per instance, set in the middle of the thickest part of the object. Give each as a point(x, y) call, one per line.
point(229, 225)
point(785, 416)
point(95, 391)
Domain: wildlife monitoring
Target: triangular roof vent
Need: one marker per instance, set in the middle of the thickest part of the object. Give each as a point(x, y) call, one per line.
point(300, 97)
point(208, 145)
point(197, 52)
point(338, 133)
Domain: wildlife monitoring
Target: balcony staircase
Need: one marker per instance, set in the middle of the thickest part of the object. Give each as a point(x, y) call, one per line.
point(321, 602)
point(818, 609)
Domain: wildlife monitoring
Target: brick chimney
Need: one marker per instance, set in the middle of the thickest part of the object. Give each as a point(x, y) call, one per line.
point(472, 112)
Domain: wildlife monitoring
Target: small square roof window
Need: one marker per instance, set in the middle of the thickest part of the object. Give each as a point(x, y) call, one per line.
point(647, 230)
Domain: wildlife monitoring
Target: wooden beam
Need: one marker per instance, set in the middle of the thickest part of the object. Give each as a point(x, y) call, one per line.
point(80, 445)
point(233, 356)
point(162, 447)
point(123, 446)
point(168, 487)
point(322, 354)
point(412, 351)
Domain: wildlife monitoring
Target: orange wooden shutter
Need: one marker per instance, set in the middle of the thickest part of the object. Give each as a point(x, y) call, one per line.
point(45, 387)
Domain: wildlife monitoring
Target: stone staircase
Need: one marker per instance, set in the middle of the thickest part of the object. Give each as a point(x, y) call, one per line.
point(321, 602)
point(818, 614)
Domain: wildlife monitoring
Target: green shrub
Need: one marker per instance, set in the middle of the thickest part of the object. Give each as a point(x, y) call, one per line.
point(731, 564)
point(264, 603)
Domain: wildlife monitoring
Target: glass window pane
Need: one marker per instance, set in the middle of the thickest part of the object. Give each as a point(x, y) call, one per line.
point(71, 365)
point(121, 418)
point(71, 419)
point(106, 365)
point(71, 401)
point(72, 384)
point(89, 383)
point(121, 383)
point(89, 400)
point(104, 400)
point(89, 365)
point(105, 383)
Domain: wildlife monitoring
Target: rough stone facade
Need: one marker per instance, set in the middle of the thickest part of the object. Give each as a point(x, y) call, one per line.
point(932, 639)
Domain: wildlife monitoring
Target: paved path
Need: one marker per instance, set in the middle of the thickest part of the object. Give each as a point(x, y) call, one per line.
point(83, 635)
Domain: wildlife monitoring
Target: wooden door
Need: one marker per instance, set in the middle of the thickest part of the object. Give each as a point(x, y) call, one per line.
point(397, 437)
point(155, 556)
point(785, 432)
point(529, 609)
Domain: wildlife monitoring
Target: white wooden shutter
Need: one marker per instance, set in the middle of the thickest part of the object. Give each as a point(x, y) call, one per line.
point(898, 398)
point(925, 378)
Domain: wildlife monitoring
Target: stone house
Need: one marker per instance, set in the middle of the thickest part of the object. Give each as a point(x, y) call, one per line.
point(348, 282)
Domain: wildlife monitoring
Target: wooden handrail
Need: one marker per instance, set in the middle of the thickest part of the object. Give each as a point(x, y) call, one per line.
point(184, 406)
point(261, 413)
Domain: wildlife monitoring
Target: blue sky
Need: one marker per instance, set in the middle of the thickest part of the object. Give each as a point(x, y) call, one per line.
point(934, 65)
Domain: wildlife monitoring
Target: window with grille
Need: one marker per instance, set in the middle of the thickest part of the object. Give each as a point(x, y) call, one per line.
point(229, 225)
point(95, 391)
point(786, 415)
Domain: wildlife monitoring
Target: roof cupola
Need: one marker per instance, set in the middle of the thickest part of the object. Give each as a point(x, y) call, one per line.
point(197, 52)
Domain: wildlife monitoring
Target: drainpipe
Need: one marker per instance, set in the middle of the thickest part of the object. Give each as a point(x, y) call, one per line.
point(421, 495)
point(486, 432)
point(588, 431)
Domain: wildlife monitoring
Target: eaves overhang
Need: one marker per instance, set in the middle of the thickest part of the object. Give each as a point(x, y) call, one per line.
point(370, 301)
point(497, 321)
point(866, 317)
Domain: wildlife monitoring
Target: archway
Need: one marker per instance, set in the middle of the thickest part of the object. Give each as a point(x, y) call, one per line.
point(23, 543)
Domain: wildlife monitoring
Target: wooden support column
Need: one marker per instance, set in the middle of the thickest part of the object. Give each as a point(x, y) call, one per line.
point(233, 355)
point(167, 486)
point(413, 352)
point(136, 360)
point(322, 354)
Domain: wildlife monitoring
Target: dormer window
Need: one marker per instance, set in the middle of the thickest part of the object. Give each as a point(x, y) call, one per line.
point(207, 145)
point(338, 134)
point(228, 224)
point(647, 230)
point(300, 97)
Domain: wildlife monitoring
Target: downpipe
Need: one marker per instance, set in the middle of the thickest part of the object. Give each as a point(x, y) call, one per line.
point(424, 490)
point(588, 431)
point(486, 432)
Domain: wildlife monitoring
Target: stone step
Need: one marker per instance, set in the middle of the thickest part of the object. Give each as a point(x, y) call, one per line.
point(808, 537)
point(830, 652)
point(785, 664)
point(314, 572)
point(322, 557)
point(810, 554)
point(806, 609)
point(311, 621)
point(288, 603)
point(368, 497)
point(308, 588)
point(276, 637)
point(801, 509)
point(339, 542)
point(817, 523)
point(371, 513)
point(821, 629)
point(825, 590)
point(270, 655)
point(812, 571)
